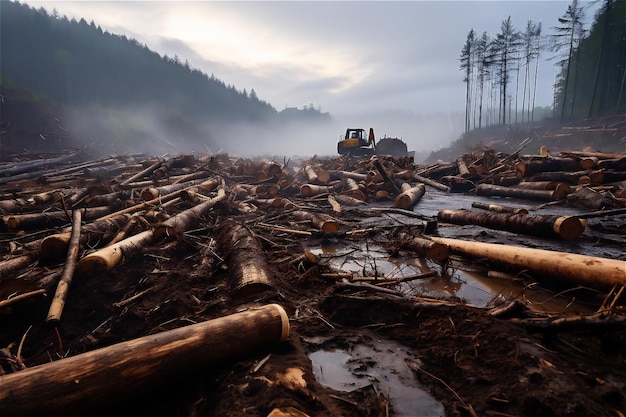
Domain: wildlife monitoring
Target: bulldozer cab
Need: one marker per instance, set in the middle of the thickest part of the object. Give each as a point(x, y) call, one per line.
point(359, 135)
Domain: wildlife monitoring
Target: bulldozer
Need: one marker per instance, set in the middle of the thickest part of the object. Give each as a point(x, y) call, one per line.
point(357, 142)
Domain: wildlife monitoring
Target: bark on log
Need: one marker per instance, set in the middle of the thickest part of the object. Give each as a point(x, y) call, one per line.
point(248, 272)
point(410, 196)
point(513, 192)
point(49, 219)
point(55, 246)
point(425, 248)
point(499, 209)
point(589, 271)
point(33, 166)
point(309, 190)
point(440, 170)
point(348, 174)
point(107, 258)
point(9, 266)
point(310, 174)
point(87, 382)
point(388, 180)
point(599, 155)
point(527, 168)
point(321, 221)
point(146, 172)
point(457, 184)
point(571, 178)
point(186, 219)
point(540, 185)
point(353, 190)
point(437, 185)
point(58, 302)
point(564, 227)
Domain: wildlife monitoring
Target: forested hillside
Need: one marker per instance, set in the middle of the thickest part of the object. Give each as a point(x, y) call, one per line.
point(115, 91)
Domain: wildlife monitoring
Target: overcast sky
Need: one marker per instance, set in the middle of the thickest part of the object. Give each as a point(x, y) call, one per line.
point(350, 57)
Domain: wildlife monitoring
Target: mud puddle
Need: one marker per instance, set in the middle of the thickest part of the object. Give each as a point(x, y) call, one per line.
point(473, 287)
point(382, 365)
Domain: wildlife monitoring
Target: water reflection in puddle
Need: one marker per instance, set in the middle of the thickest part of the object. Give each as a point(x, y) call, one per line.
point(473, 287)
point(384, 367)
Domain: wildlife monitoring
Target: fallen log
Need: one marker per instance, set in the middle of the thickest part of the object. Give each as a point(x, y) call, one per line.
point(353, 190)
point(437, 185)
point(599, 155)
point(90, 381)
point(387, 179)
point(589, 271)
point(424, 247)
point(185, 220)
point(309, 190)
point(146, 172)
point(9, 266)
point(20, 297)
point(58, 302)
point(564, 227)
point(571, 178)
point(514, 192)
point(321, 221)
point(49, 219)
point(527, 168)
point(248, 272)
point(33, 165)
point(499, 209)
point(55, 246)
point(409, 196)
point(108, 257)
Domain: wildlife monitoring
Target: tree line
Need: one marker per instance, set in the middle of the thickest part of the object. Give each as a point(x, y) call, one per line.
point(501, 71)
point(79, 65)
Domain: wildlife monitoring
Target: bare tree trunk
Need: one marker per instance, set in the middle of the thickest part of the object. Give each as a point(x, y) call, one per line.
point(589, 271)
point(89, 381)
point(248, 272)
point(564, 227)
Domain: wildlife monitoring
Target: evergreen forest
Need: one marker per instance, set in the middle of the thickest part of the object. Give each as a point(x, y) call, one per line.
point(500, 71)
point(119, 88)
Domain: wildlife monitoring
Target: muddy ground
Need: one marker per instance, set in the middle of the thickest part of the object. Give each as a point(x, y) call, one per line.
point(469, 361)
point(462, 360)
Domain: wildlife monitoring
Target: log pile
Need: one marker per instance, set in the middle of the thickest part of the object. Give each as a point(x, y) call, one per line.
point(65, 218)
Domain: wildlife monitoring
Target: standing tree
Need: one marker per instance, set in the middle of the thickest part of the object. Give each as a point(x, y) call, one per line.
point(467, 59)
point(530, 40)
point(538, 47)
point(483, 61)
point(505, 45)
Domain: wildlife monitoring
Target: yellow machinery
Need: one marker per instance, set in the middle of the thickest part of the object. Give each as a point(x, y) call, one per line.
point(357, 143)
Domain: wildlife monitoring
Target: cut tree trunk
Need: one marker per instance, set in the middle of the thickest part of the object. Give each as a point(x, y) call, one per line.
point(88, 382)
point(499, 209)
point(187, 219)
point(564, 227)
point(513, 192)
point(102, 230)
point(425, 247)
point(58, 302)
point(248, 272)
point(107, 258)
point(409, 196)
point(49, 219)
point(525, 169)
point(589, 271)
point(437, 185)
point(321, 221)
